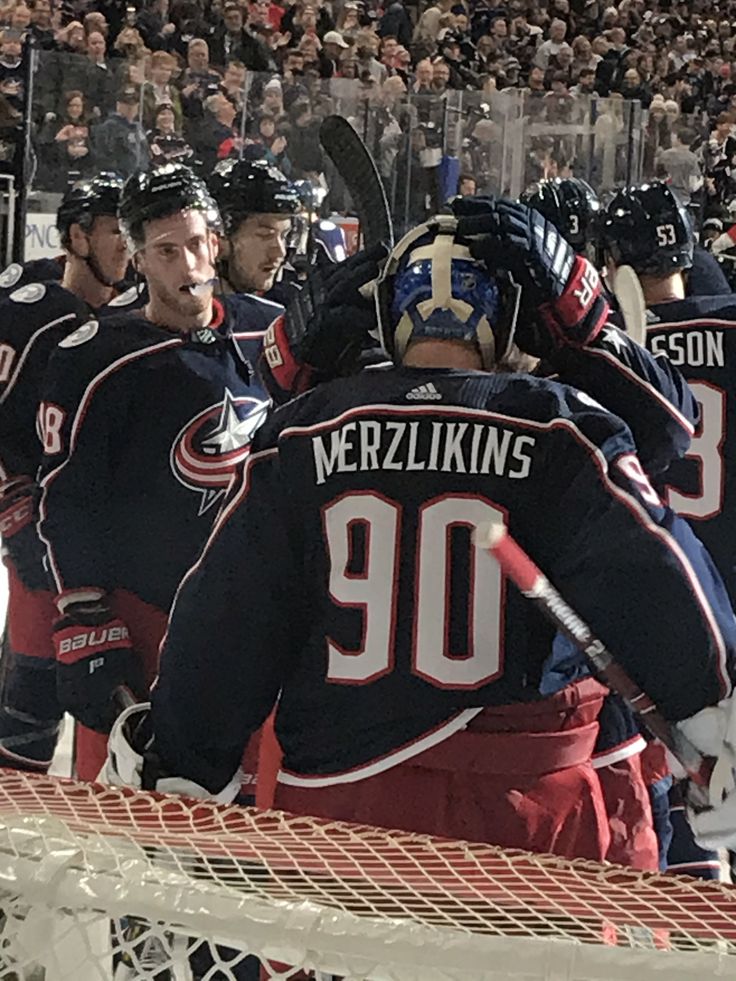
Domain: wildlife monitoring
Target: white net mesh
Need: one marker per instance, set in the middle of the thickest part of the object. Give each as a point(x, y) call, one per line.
point(103, 883)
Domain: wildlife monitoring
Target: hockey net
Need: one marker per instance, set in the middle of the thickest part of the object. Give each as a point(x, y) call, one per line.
point(103, 883)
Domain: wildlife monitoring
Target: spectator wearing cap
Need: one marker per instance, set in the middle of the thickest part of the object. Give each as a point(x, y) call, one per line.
point(333, 46)
point(159, 90)
point(119, 142)
point(233, 41)
point(547, 49)
point(165, 141)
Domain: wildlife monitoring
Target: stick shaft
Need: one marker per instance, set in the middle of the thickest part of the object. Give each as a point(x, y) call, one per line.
point(529, 578)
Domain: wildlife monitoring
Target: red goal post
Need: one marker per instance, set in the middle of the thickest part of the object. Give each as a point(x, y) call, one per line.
point(105, 883)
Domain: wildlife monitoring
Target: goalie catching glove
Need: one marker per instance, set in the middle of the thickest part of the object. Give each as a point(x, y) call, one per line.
point(131, 761)
point(324, 328)
point(561, 300)
point(94, 656)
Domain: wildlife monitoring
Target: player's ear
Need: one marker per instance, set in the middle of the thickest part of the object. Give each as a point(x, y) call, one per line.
point(139, 263)
point(78, 240)
point(223, 245)
point(214, 245)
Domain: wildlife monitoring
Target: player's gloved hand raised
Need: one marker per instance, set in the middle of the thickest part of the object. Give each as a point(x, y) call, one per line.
point(324, 328)
point(18, 531)
point(561, 302)
point(94, 656)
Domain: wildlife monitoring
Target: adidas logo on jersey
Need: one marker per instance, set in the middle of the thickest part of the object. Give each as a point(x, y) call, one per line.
point(424, 392)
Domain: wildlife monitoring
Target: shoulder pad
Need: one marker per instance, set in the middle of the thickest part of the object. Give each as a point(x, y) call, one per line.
point(81, 335)
point(129, 296)
point(10, 275)
point(30, 293)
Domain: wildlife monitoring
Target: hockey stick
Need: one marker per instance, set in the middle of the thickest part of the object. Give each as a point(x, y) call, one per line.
point(627, 290)
point(356, 167)
point(532, 582)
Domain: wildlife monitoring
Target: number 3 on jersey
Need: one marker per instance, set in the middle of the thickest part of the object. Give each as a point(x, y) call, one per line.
point(707, 448)
point(374, 590)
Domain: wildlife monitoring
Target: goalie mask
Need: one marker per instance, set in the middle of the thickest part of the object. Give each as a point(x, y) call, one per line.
point(431, 287)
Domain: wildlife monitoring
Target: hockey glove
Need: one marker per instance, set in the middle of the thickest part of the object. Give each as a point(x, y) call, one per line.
point(131, 762)
point(324, 328)
point(713, 732)
point(21, 543)
point(562, 302)
point(94, 656)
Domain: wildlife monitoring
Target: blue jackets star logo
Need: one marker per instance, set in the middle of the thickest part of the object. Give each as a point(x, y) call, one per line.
point(212, 444)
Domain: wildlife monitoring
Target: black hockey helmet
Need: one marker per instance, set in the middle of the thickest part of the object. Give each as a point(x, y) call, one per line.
point(248, 187)
point(163, 192)
point(570, 203)
point(648, 228)
point(86, 200)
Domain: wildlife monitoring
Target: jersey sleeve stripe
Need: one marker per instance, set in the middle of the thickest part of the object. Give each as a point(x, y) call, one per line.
point(76, 425)
point(651, 390)
point(26, 352)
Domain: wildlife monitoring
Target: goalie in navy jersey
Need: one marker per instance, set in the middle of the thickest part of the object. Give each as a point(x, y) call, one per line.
point(34, 317)
point(143, 422)
point(416, 688)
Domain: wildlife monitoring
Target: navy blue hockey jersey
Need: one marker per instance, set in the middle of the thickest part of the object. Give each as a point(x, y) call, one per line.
point(341, 576)
point(142, 429)
point(34, 318)
point(698, 335)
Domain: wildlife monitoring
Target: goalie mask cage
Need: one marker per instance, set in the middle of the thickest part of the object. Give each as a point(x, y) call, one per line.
point(107, 883)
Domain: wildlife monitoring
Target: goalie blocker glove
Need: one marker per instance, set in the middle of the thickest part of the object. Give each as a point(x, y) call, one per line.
point(324, 329)
point(562, 304)
point(94, 656)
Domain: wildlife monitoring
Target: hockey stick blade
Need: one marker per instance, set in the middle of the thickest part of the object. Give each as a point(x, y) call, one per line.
point(627, 290)
point(355, 166)
point(531, 581)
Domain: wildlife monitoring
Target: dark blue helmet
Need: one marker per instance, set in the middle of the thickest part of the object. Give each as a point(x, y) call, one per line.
point(570, 204)
point(248, 187)
point(163, 192)
point(86, 200)
point(648, 228)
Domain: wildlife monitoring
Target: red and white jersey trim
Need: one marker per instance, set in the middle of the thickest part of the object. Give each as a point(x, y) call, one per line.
point(623, 751)
point(432, 738)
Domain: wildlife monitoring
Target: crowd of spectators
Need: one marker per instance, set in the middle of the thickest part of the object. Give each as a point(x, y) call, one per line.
point(127, 86)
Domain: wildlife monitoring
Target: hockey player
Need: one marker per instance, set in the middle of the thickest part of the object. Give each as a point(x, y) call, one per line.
point(34, 318)
point(258, 205)
point(574, 208)
point(143, 422)
point(648, 229)
point(415, 688)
